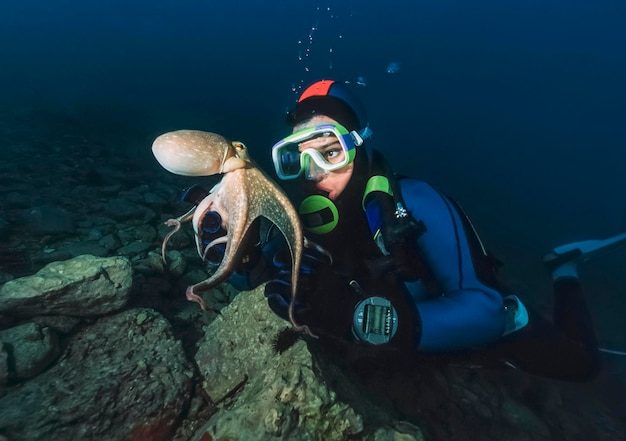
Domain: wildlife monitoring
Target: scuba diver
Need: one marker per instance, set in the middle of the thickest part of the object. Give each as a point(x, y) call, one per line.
point(396, 266)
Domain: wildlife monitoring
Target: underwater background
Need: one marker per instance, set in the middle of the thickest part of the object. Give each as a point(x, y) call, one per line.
point(515, 109)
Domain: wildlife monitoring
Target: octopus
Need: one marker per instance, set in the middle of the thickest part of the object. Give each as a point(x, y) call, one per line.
point(243, 194)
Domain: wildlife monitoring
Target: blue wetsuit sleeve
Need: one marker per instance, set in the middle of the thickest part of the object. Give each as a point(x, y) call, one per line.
point(465, 313)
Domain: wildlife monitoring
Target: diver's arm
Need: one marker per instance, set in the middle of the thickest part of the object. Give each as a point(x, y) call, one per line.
point(466, 313)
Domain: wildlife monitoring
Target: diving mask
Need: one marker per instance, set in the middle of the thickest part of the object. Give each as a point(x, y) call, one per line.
point(326, 147)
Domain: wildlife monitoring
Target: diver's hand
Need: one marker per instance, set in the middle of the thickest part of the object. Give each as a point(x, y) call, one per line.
point(312, 256)
point(278, 290)
point(278, 295)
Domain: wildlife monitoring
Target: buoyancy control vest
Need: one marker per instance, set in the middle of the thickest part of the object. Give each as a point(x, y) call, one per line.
point(360, 269)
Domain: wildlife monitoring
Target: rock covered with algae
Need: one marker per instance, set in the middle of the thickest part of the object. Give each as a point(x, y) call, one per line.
point(84, 286)
point(123, 377)
point(261, 394)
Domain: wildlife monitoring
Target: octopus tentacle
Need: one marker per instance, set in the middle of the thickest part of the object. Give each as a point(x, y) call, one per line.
point(196, 298)
point(290, 310)
point(282, 214)
point(193, 297)
point(219, 240)
point(170, 223)
point(295, 326)
point(176, 223)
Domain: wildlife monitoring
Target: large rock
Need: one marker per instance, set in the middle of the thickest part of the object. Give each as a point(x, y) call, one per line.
point(84, 286)
point(5, 373)
point(263, 395)
point(30, 347)
point(123, 378)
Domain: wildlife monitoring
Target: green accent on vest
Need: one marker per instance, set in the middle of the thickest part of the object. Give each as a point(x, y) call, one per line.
point(376, 183)
point(319, 214)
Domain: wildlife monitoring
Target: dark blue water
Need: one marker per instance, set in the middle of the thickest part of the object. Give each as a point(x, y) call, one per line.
point(516, 109)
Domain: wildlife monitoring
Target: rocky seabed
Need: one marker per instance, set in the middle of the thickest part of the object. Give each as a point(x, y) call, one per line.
point(98, 341)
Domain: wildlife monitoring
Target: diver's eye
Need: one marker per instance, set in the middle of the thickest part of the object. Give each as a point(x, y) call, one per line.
point(333, 155)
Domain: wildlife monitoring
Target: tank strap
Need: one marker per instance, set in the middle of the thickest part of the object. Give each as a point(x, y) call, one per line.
point(398, 227)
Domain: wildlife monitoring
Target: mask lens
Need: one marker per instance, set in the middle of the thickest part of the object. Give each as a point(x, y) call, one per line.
point(313, 171)
point(290, 162)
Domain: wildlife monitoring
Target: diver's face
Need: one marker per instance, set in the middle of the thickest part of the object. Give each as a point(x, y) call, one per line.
point(332, 182)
